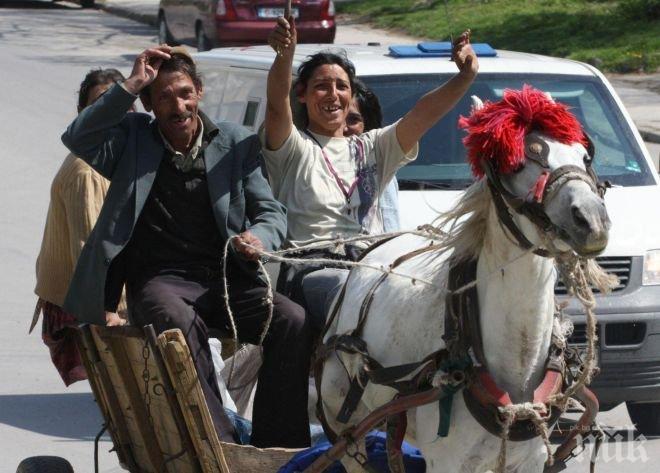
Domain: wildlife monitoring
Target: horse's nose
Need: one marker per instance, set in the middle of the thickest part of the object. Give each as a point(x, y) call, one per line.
point(580, 219)
point(590, 217)
point(591, 220)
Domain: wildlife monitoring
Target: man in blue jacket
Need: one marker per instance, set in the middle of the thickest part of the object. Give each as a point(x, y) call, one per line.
point(181, 187)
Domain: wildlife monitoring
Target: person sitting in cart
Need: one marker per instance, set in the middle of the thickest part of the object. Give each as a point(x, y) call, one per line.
point(331, 183)
point(76, 196)
point(181, 187)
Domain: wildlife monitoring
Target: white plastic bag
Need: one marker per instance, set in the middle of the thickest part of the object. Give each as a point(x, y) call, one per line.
point(219, 364)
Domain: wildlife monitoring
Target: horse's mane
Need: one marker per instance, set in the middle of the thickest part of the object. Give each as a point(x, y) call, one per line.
point(496, 132)
point(465, 224)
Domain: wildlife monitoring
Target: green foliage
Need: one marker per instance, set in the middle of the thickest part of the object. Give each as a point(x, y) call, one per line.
point(620, 36)
point(645, 10)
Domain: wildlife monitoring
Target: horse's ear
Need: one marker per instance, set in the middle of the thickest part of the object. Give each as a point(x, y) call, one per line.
point(547, 94)
point(477, 103)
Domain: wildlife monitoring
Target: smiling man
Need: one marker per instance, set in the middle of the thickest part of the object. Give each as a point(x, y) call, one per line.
point(181, 187)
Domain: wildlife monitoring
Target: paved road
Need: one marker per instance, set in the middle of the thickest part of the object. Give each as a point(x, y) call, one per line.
point(45, 49)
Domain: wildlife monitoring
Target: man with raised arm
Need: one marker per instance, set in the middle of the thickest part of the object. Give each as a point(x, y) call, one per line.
point(181, 187)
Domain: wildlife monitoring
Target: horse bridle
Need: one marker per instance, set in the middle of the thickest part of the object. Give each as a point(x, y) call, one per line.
point(546, 186)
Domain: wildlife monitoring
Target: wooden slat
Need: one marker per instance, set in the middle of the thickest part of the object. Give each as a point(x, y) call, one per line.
point(181, 369)
point(106, 397)
point(144, 426)
point(168, 435)
point(179, 420)
point(248, 458)
point(138, 448)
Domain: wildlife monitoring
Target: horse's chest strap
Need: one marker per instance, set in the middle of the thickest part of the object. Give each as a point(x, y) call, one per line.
point(483, 397)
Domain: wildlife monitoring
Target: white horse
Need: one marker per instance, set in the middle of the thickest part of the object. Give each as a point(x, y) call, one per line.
point(515, 286)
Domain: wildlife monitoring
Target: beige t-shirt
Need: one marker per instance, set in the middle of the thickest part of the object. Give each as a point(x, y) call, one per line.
point(304, 182)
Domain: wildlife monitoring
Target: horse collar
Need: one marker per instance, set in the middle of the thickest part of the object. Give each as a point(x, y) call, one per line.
point(482, 395)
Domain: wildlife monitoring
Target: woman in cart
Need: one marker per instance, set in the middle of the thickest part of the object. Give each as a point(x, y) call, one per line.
point(77, 194)
point(330, 183)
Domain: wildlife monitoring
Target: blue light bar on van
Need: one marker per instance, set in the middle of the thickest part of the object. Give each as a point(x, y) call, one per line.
point(438, 49)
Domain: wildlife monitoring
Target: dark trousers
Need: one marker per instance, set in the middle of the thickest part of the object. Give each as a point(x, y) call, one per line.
point(192, 301)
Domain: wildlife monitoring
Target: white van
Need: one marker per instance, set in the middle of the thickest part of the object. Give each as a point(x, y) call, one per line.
point(629, 318)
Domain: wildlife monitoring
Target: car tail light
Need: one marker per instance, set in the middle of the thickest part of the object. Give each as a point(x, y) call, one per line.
point(225, 10)
point(327, 10)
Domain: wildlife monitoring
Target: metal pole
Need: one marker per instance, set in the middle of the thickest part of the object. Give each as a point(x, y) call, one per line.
point(96, 448)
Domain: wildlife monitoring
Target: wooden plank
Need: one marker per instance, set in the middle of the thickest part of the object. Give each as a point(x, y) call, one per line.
point(168, 436)
point(150, 335)
point(137, 403)
point(182, 373)
point(248, 458)
point(140, 453)
point(106, 397)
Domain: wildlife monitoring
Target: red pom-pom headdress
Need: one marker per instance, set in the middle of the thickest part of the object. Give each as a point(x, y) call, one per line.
point(497, 131)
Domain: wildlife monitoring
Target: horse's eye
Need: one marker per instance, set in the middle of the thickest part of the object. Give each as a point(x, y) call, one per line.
point(588, 159)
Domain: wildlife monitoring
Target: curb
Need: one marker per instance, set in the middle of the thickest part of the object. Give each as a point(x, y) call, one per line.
point(146, 18)
point(650, 136)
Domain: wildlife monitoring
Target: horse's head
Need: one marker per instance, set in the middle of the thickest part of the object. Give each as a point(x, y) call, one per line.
point(537, 160)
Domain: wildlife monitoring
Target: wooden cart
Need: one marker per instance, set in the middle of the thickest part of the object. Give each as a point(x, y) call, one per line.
point(148, 391)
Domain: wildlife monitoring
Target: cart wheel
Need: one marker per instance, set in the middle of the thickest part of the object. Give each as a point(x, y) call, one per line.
point(44, 465)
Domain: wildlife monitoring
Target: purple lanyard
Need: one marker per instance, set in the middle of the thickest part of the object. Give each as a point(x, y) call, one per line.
point(347, 192)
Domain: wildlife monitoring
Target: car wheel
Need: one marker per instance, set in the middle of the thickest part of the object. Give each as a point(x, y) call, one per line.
point(646, 417)
point(164, 35)
point(203, 42)
point(87, 3)
point(44, 465)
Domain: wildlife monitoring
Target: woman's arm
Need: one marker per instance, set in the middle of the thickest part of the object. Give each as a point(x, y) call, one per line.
point(279, 118)
point(434, 105)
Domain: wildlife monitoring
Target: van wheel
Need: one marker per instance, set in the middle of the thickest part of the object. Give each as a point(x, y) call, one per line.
point(203, 42)
point(164, 35)
point(44, 465)
point(646, 417)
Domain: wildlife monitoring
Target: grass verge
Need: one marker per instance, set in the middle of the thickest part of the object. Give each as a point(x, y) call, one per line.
point(616, 36)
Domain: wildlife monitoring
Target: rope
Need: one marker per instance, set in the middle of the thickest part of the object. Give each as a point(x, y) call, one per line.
point(427, 231)
point(577, 274)
point(573, 275)
point(230, 314)
point(523, 411)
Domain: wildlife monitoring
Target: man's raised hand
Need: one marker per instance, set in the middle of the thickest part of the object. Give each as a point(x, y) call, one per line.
point(145, 68)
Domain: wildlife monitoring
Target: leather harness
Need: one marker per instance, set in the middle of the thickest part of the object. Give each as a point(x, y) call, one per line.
point(463, 359)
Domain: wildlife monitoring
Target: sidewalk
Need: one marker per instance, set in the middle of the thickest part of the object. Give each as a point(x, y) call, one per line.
point(639, 93)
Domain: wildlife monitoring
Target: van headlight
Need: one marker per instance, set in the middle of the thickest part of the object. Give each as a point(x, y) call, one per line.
point(651, 274)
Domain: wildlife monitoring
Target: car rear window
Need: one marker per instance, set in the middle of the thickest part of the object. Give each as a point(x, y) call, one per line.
point(442, 163)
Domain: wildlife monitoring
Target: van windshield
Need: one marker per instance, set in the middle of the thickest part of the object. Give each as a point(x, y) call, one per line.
point(442, 158)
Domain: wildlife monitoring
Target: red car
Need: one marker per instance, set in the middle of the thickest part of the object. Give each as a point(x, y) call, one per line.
point(214, 23)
